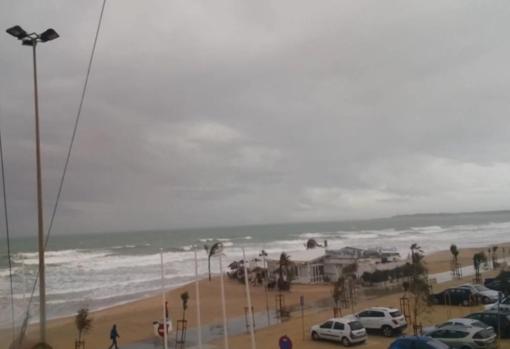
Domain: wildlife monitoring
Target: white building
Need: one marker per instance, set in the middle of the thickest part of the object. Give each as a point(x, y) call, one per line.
point(320, 265)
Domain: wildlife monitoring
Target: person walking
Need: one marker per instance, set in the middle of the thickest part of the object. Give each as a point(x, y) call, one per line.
point(113, 336)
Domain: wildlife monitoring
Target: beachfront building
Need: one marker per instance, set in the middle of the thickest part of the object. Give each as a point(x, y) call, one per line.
point(307, 266)
point(320, 265)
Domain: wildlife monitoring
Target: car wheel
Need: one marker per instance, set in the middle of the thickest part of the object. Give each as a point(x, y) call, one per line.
point(387, 331)
point(346, 342)
point(315, 336)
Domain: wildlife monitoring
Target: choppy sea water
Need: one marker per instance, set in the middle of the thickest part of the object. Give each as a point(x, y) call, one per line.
point(101, 270)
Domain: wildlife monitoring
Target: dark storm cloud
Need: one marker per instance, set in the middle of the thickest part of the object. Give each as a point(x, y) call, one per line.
point(213, 113)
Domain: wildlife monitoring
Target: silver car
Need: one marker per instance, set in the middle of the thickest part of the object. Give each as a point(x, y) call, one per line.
point(485, 295)
point(464, 322)
point(464, 337)
point(504, 305)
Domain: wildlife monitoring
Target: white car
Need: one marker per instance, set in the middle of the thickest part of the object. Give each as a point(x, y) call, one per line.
point(486, 295)
point(503, 306)
point(346, 330)
point(387, 320)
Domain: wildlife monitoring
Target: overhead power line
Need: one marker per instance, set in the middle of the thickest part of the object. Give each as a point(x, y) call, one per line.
point(7, 237)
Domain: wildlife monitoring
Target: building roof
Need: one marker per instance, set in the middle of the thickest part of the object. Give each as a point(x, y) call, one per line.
point(300, 256)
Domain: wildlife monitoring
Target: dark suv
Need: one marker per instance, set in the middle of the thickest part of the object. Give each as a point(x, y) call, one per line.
point(455, 296)
point(491, 317)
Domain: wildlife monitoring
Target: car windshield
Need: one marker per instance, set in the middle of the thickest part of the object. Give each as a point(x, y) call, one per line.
point(480, 288)
point(355, 325)
point(478, 324)
point(396, 313)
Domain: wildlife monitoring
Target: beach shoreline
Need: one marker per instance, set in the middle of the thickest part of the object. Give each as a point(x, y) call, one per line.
point(61, 331)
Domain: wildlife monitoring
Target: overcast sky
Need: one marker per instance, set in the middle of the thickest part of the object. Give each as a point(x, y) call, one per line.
point(207, 113)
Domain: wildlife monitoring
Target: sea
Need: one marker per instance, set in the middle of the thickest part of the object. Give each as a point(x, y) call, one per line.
point(101, 270)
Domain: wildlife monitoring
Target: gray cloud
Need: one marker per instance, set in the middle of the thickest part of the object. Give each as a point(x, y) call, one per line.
point(203, 113)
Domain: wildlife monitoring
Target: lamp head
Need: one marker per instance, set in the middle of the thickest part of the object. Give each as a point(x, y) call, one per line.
point(17, 32)
point(28, 42)
point(48, 35)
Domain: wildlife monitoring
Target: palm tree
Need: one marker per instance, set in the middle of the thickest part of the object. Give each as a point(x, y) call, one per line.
point(264, 255)
point(478, 259)
point(455, 252)
point(418, 284)
point(83, 325)
point(284, 263)
point(494, 256)
point(184, 299)
point(338, 293)
point(215, 249)
point(455, 260)
point(416, 253)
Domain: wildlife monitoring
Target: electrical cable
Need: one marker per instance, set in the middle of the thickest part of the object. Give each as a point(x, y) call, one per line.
point(8, 238)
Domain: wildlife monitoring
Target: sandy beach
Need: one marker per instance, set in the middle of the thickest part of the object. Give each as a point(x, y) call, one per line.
point(134, 320)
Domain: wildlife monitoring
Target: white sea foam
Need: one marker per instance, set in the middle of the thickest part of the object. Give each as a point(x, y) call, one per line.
point(59, 257)
point(428, 230)
point(361, 236)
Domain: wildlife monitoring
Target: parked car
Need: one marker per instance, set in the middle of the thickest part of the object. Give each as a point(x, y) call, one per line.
point(346, 330)
point(454, 296)
point(485, 295)
point(500, 283)
point(464, 337)
point(504, 305)
point(389, 321)
point(464, 322)
point(415, 342)
point(491, 317)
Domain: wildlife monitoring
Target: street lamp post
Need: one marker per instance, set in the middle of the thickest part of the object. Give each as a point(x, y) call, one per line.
point(32, 40)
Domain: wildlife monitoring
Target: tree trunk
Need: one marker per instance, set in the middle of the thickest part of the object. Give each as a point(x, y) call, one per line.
point(209, 267)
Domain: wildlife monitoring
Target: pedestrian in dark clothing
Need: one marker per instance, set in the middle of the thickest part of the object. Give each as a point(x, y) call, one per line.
point(113, 336)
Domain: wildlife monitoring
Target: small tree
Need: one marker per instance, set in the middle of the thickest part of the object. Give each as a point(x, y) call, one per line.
point(283, 269)
point(455, 252)
point(336, 294)
point(184, 299)
point(478, 259)
point(494, 257)
point(83, 325)
point(418, 284)
point(339, 294)
point(455, 261)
